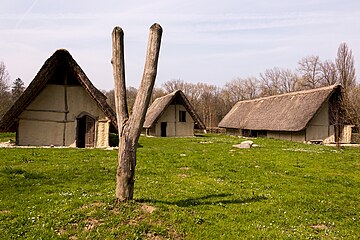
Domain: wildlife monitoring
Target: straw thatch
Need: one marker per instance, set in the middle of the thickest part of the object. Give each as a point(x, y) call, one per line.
point(160, 104)
point(54, 69)
point(286, 112)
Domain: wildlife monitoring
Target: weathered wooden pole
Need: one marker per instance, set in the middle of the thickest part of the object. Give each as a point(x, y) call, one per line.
point(118, 63)
point(130, 127)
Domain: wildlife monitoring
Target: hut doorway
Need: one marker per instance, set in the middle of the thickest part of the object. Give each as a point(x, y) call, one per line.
point(163, 127)
point(85, 132)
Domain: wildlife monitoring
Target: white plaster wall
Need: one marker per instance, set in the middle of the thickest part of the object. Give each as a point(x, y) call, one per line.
point(36, 133)
point(174, 127)
point(51, 98)
point(79, 101)
point(43, 121)
point(318, 128)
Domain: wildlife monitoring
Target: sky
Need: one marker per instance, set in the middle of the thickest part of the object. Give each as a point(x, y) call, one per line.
point(209, 41)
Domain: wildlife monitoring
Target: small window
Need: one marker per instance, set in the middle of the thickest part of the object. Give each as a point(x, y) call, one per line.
point(182, 116)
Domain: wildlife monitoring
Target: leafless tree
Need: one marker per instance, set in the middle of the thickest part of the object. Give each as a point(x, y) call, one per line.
point(5, 95)
point(329, 73)
point(176, 84)
point(130, 96)
point(270, 82)
point(310, 72)
point(277, 81)
point(241, 89)
point(4, 78)
point(191, 90)
point(110, 97)
point(157, 92)
point(289, 81)
point(131, 93)
point(345, 65)
point(354, 102)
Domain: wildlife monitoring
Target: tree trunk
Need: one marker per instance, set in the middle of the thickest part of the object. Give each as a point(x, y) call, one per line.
point(130, 128)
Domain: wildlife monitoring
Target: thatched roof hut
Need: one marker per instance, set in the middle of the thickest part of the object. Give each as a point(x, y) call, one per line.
point(58, 78)
point(167, 109)
point(289, 113)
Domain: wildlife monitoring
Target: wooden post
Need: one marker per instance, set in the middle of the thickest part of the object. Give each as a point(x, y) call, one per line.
point(130, 127)
point(118, 63)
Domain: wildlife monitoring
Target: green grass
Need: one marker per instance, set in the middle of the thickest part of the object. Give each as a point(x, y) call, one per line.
point(186, 188)
point(4, 137)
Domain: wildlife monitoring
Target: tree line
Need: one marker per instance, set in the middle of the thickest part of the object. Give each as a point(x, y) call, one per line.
point(212, 102)
point(9, 91)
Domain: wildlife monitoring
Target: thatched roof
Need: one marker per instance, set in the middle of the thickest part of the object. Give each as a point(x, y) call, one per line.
point(286, 112)
point(160, 104)
point(53, 70)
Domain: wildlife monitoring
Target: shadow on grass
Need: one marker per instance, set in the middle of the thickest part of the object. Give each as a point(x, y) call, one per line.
point(212, 199)
point(12, 172)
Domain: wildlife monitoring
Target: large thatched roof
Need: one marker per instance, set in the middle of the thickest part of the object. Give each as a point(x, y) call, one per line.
point(160, 104)
point(286, 112)
point(52, 70)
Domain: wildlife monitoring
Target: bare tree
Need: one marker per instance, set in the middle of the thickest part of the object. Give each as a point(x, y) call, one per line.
point(174, 85)
point(329, 73)
point(241, 89)
point(289, 81)
point(354, 102)
point(110, 97)
point(345, 65)
point(130, 127)
point(5, 95)
point(157, 92)
point(189, 89)
point(131, 93)
point(310, 71)
point(4, 78)
point(277, 81)
point(270, 82)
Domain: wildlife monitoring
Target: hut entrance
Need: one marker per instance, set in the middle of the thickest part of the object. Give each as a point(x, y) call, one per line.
point(163, 127)
point(85, 132)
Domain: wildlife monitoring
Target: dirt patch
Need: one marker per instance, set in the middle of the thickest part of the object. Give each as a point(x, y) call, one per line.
point(91, 223)
point(183, 175)
point(148, 208)
point(319, 227)
point(152, 236)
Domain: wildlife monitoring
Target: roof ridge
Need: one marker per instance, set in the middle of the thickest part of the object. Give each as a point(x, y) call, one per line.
point(293, 93)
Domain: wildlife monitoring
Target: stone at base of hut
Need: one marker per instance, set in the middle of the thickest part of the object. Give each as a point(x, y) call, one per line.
point(244, 144)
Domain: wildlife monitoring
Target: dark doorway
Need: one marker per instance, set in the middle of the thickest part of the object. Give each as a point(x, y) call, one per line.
point(163, 127)
point(85, 132)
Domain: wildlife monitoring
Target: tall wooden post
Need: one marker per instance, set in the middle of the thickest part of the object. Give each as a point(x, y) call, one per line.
point(130, 127)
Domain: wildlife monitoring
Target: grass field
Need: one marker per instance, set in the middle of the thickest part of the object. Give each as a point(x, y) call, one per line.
point(186, 188)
